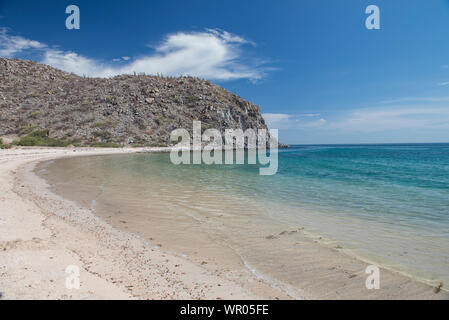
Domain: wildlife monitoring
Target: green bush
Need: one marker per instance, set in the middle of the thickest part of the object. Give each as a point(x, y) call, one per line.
point(30, 141)
point(57, 143)
point(104, 124)
point(40, 133)
point(157, 145)
point(103, 134)
point(34, 136)
point(3, 145)
point(105, 145)
point(28, 130)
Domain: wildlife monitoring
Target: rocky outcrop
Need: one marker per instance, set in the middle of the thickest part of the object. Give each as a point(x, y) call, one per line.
point(126, 109)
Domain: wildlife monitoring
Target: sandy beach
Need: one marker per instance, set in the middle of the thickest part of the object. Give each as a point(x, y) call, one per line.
point(41, 234)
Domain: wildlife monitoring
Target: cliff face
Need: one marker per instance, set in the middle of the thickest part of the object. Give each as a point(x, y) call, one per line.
point(139, 110)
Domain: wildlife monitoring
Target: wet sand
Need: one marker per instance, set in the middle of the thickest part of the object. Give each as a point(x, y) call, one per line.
point(41, 233)
point(289, 258)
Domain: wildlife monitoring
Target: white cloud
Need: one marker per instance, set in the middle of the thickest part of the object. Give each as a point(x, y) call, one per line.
point(406, 119)
point(11, 45)
point(229, 37)
point(211, 54)
point(122, 59)
point(289, 121)
point(444, 83)
point(311, 115)
point(314, 124)
point(273, 120)
point(397, 118)
point(409, 118)
point(415, 100)
point(72, 62)
point(412, 113)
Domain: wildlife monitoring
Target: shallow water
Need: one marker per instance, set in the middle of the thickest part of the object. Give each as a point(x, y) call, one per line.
point(388, 204)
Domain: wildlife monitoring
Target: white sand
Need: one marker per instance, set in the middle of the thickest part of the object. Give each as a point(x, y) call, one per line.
point(41, 234)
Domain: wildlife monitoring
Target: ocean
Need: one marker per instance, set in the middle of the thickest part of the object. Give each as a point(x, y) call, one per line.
point(384, 204)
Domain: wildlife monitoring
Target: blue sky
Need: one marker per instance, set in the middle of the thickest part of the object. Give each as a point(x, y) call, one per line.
point(318, 74)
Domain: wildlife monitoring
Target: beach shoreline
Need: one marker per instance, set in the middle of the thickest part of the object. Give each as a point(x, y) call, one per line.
point(42, 233)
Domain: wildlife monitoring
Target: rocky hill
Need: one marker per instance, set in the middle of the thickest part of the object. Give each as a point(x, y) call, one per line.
point(40, 102)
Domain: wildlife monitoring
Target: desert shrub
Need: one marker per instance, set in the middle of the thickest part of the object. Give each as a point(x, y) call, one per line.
point(2, 145)
point(105, 145)
point(157, 145)
point(28, 129)
point(34, 136)
point(103, 134)
point(30, 141)
point(40, 133)
point(104, 124)
point(36, 114)
point(57, 143)
point(191, 99)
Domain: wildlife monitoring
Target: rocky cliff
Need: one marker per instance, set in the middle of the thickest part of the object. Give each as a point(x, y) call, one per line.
point(44, 102)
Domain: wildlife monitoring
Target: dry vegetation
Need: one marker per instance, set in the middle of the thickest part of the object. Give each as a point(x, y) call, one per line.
point(46, 106)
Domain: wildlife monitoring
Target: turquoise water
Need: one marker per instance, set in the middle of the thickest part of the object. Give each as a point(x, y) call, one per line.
point(393, 184)
point(387, 204)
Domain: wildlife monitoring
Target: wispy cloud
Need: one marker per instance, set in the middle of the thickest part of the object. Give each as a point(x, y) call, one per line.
point(12, 45)
point(444, 83)
point(413, 100)
point(212, 54)
point(121, 59)
point(366, 120)
point(290, 121)
point(275, 118)
point(396, 118)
